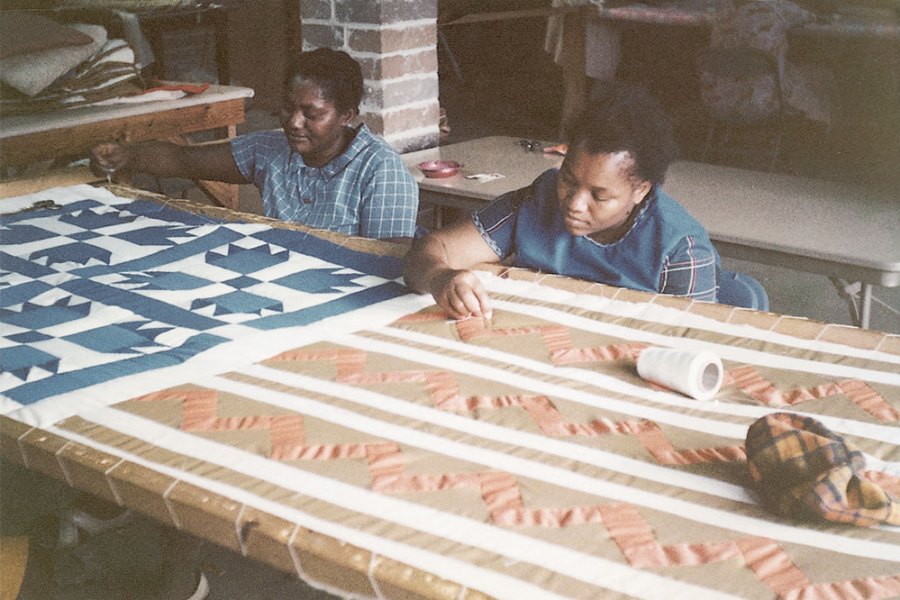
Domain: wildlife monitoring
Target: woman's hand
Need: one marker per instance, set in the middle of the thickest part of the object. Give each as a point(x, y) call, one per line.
point(461, 294)
point(109, 159)
point(439, 263)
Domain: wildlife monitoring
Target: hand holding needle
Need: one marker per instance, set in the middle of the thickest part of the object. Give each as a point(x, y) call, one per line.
point(107, 158)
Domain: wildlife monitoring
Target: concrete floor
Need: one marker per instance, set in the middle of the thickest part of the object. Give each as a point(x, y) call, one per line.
point(513, 92)
point(29, 499)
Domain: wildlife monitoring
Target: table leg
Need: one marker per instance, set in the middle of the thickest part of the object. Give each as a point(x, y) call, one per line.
point(865, 309)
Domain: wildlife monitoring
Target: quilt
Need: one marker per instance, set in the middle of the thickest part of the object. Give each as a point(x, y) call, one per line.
point(95, 288)
point(323, 420)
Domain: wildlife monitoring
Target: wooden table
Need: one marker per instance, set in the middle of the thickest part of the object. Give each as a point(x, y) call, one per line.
point(275, 390)
point(810, 225)
point(31, 138)
point(848, 24)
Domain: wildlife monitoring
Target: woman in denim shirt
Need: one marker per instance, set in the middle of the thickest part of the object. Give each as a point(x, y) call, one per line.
point(601, 217)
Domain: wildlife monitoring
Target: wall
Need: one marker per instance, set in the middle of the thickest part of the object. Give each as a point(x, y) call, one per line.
point(262, 35)
point(395, 42)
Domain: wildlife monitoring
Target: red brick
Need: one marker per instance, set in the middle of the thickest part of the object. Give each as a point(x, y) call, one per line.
point(396, 92)
point(321, 36)
point(416, 142)
point(382, 41)
point(316, 9)
point(411, 118)
point(392, 67)
point(384, 11)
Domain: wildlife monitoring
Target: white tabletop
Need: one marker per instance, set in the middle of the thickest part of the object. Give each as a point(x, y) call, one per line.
point(812, 218)
point(846, 230)
point(504, 155)
point(85, 115)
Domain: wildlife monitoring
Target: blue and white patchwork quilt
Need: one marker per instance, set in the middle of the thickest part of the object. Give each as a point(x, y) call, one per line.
point(96, 288)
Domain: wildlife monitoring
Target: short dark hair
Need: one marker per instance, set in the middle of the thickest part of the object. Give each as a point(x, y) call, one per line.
point(339, 76)
point(625, 117)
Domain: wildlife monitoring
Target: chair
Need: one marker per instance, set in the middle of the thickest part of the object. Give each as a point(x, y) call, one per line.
point(742, 290)
point(742, 88)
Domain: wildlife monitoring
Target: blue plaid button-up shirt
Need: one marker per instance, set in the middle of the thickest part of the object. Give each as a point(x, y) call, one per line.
point(366, 191)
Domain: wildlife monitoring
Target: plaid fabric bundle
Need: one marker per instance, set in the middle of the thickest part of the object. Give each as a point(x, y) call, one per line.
point(801, 469)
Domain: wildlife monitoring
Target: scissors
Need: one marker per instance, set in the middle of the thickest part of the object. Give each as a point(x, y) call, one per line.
point(39, 205)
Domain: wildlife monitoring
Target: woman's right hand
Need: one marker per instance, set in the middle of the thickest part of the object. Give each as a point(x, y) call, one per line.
point(461, 294)
point(108, 159)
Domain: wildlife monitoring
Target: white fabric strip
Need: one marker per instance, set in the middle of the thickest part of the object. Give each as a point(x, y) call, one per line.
point(527, 468)
point(7, 405)
point(667, 316)
point(884, 433)
point(724, 351)
point(590, 569)
point(561, 448)
point(415, 557)
point(538, 386)
point(219, 359)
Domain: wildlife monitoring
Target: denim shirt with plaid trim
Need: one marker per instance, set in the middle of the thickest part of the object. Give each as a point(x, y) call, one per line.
point(666, 250)
point(366, 191)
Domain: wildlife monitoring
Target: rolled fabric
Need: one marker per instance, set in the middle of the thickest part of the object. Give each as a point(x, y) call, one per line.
point(801, 469)
point(32, 73)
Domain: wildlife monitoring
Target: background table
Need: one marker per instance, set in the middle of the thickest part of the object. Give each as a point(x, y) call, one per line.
point(507, 156)
point(882, 25)
point(72, 133)
point(810, 225)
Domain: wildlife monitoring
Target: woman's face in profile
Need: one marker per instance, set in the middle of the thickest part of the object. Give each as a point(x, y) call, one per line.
point(597, 193)
point(312, 123)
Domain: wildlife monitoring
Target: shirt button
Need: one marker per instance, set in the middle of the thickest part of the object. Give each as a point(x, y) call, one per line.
point(307, 201)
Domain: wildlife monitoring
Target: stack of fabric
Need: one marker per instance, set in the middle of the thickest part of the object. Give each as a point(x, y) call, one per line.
point(46, 65)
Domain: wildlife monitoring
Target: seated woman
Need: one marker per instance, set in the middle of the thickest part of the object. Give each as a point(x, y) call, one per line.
point(319, 171)
point(602, 217)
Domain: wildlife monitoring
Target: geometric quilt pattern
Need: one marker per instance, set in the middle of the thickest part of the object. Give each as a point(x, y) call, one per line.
point(520, 456)
point(509, 431)
point(97, 288)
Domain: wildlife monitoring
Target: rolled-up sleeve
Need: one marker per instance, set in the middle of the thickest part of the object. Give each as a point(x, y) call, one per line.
point(496, 222)
point(255, 152)
point(391, 201)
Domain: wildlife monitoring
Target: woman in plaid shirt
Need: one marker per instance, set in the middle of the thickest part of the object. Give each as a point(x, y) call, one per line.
point(602, 217)
point(319, 170)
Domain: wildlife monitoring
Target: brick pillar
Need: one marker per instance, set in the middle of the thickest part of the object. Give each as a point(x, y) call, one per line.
point(395, 41)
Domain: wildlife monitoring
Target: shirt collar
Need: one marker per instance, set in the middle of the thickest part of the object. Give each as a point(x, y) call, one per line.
point(361, 139)
point(644, 206)
point(642, 211)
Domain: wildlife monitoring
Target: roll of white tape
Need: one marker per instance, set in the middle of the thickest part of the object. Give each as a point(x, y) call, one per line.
point(697, 374)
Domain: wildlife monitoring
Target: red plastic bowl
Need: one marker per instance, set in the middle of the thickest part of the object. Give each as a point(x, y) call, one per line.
point(439, 168)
